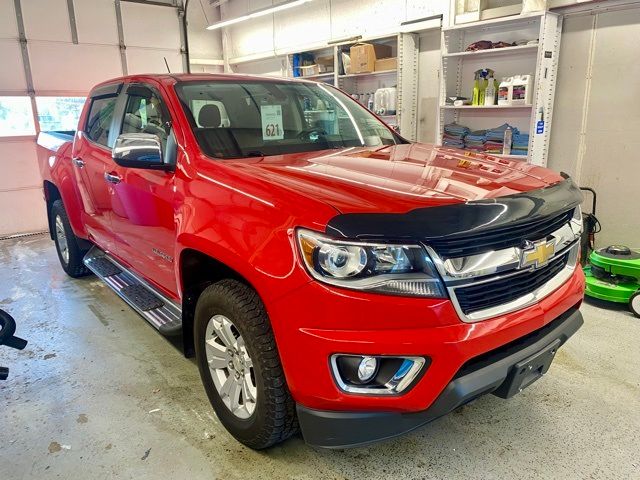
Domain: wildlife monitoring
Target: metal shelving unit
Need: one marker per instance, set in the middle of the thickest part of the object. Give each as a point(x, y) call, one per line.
point(404, 78)
point(539, 59)
point(368, 83)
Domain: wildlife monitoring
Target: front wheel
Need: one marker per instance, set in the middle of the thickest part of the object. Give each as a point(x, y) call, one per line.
point(69, 252)
point(240, 367)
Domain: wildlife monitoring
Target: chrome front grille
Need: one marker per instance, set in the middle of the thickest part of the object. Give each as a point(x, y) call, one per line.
point(488, 284)
point(477, 297)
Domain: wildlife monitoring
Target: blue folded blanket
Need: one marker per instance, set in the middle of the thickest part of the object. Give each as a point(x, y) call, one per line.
point(456, 130)
point(498, 132)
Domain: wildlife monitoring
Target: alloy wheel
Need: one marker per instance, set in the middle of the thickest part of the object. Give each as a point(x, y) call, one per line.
point(231, 366)
point(61, 237)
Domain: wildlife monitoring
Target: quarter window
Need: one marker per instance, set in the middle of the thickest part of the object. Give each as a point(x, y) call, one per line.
point(100, 119)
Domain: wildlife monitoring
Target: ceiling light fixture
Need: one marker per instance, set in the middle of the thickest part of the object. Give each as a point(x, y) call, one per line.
point(258, 13)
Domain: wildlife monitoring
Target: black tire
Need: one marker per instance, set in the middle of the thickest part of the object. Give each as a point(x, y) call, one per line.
point(274, 418)
point(73, 266)
point(634, 304)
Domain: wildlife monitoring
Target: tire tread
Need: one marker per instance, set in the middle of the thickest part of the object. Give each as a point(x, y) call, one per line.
point(281, 420)
point(76, 267)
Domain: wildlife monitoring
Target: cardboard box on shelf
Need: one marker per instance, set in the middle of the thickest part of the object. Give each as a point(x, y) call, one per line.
point(308, 70)
point(383, 64)
point(364, 56)
point(325, 64)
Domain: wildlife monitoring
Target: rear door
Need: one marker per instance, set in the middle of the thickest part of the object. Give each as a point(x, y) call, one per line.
point(92, 159)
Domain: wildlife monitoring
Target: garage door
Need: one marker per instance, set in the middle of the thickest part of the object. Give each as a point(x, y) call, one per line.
point(71, 48)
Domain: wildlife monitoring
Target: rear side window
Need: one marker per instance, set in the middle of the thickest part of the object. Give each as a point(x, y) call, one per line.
point(100, 119)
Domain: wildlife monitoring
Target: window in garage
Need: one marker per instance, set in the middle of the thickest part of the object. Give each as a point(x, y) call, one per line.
point(16, 117)
point(59, 113)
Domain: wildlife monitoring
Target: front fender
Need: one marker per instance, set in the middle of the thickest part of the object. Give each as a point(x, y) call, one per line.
point(250, 235)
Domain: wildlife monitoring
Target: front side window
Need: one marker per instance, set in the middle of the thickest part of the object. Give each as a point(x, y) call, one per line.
point(146, 115)
point(255, 118)
point(100, 119)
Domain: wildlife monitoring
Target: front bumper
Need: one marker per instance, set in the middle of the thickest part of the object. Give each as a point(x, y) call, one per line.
point(484, 374)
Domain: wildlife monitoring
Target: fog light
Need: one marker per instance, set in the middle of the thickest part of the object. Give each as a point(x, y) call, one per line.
point(367, 368)
point(377, 375)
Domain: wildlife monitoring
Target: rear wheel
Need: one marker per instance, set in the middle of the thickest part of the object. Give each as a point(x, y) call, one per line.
point(240, 367)
point(634, 303)
point(69, 253)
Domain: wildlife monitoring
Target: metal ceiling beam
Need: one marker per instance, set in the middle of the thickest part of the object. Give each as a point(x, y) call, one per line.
point(72, 21)
point(123, 47)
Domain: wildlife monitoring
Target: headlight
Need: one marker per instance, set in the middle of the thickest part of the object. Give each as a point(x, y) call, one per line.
point(380, 267)
point(576, 219)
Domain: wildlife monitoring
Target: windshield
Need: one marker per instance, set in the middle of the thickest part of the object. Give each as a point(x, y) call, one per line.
point(256, 118)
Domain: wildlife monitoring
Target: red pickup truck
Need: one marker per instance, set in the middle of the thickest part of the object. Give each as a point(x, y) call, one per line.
point(329, 276)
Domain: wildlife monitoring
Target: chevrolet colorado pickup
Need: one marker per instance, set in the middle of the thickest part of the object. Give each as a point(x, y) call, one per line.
point(329, 276)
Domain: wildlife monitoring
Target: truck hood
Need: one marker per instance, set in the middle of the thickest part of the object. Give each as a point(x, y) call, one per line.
point(397, 179)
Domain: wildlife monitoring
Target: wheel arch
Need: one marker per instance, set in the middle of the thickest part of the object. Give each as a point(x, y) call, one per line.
point(198, 270)
point(51, 194)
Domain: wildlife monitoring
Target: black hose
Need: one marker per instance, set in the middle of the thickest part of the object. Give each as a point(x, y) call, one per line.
point(7, 329)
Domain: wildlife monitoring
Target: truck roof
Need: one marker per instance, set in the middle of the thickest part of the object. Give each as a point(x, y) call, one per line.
point(172, 78)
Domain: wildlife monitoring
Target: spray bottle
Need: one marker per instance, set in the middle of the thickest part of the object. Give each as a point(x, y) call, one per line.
point(490, 92)
point(476, 88)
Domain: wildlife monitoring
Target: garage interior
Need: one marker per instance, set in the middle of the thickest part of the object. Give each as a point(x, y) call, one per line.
point(98, 394)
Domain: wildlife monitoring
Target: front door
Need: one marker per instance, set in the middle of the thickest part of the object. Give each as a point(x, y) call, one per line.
point(143, 200)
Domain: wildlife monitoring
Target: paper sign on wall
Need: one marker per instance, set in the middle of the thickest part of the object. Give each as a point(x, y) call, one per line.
point(272, 127)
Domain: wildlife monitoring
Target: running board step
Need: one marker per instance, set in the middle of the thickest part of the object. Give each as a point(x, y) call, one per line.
point(154, 307)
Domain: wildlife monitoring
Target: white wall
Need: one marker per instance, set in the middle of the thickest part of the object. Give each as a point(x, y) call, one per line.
point(318, 22)
point(205, 47)
point(61, 68)
point(597, 117)
point(428, 85)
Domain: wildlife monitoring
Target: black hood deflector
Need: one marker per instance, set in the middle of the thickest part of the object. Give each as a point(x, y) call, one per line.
point(460, 219)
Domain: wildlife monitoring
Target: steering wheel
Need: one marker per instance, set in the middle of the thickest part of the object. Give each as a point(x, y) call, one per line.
point(306, 134)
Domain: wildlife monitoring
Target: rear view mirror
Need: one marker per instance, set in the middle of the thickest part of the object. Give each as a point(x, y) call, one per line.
point(139, 150)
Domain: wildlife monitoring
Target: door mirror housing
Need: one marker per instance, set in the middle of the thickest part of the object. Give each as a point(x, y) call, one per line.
point(139, 150)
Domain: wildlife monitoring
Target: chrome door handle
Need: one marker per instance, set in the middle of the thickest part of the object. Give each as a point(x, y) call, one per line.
point(112, 178)
point(78, 162)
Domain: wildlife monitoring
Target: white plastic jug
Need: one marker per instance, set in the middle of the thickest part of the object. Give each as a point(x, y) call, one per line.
point(504, 91)
point(384, 101)
point(522, 90)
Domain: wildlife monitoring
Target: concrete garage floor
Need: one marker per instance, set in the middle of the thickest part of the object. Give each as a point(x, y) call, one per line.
point(99, 394)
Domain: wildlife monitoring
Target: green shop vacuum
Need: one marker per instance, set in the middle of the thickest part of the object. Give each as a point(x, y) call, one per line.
point(613, 272)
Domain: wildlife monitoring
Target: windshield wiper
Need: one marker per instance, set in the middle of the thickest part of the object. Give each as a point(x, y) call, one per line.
point(255, 153)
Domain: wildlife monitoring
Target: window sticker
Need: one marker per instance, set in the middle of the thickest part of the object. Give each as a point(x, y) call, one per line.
point(272, 127)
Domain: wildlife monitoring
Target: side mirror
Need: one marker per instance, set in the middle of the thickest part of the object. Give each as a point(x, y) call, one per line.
point(139, 150)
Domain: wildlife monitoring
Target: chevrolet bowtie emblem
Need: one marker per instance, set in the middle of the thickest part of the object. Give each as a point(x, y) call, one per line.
point(537, 254)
